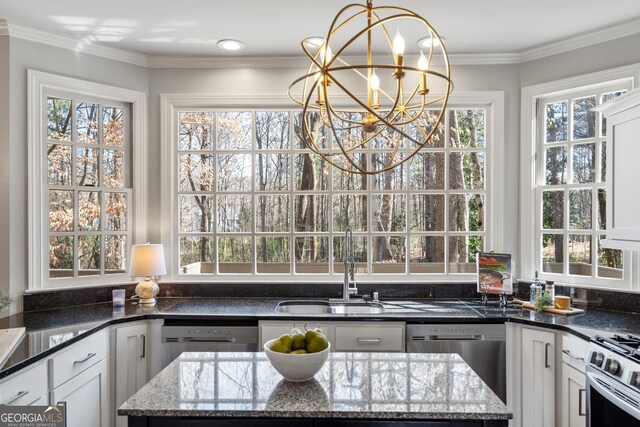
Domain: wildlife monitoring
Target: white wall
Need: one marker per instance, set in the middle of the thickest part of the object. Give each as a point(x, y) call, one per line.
point(603, 56)
point(25, 55)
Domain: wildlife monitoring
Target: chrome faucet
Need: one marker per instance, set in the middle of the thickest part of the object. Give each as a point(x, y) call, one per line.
point(349, 285)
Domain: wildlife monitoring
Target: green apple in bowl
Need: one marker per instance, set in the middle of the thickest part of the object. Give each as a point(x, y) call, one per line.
point(301, 364)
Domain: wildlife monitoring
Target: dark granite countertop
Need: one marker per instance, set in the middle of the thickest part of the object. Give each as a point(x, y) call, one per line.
point(51, 330)
point(383, 386)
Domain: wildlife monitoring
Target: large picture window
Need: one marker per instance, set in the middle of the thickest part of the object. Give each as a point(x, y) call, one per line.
point(251, 200)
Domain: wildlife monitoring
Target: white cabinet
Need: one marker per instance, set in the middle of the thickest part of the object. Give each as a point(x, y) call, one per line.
point(78, 357)
point(26, 387)
point(130, 368)
point(370, 337)
point(623, 152)
point(78, 375)
point(344, 336)
point(574, 395)
point(86, 397)
point(573, 403)
point(538, 378)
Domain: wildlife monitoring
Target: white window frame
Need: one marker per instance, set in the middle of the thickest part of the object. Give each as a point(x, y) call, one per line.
point(170, 104)
point(530, 163)
point(39, 83)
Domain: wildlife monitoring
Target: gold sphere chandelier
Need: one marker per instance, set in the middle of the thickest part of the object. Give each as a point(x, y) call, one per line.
point(375, 102)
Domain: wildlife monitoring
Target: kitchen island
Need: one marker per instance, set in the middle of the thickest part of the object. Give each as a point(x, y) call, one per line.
point(352, 389)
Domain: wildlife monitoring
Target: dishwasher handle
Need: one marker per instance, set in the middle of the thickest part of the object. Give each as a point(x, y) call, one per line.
point(454, 338)
point(210, 339)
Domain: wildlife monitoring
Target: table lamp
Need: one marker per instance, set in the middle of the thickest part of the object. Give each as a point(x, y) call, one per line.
point(147, 261)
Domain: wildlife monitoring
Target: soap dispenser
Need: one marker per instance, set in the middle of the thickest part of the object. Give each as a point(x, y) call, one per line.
point(534, 289)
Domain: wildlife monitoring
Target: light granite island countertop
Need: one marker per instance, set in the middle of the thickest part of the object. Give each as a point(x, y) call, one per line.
point(352, 389)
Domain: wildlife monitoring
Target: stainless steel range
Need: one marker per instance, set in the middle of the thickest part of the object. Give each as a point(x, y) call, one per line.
point(613, 381)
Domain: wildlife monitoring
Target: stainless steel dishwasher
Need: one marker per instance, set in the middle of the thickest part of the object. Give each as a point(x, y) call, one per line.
point(482, 346)
point(177, 338)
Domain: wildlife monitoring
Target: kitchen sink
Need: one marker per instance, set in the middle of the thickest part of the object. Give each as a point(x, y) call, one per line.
point(329, 307)
point(357, 308)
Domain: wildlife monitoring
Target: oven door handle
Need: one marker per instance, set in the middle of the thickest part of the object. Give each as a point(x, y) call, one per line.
point(592, 382)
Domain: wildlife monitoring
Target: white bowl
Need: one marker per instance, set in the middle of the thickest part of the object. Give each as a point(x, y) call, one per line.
point(296, 367)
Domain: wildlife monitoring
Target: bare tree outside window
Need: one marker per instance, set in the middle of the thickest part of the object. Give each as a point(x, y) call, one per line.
point(86, 149)
point(252, 199)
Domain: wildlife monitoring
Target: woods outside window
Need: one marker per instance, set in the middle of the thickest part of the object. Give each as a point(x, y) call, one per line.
point(251, 200)
point(87, 177)
point(571, 173)
point(89, 186)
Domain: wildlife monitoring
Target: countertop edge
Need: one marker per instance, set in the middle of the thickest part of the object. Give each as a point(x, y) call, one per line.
point(175, 316)
point(433, 416)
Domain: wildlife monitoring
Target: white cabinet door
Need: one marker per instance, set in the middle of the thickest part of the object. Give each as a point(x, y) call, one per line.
point(623, 151)
point(130, 364)
point(26, 387)
point(538, 378)
point(86, 396)
point(574, 395)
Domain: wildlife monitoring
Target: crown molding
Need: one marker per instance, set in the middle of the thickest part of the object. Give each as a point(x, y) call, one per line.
point(577, 42)
point(160, 61)
point(303, 62)
point(481, 59)
point(63, 42)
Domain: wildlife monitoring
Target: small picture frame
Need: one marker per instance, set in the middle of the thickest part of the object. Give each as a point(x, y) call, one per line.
point(494, 273)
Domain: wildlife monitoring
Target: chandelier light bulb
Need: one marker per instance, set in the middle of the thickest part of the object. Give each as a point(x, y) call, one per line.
point(375, 81)
point(325, 54)
point(423, 63)
point(398, 44)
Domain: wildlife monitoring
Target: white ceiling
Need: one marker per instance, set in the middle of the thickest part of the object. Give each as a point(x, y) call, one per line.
point(275, 27)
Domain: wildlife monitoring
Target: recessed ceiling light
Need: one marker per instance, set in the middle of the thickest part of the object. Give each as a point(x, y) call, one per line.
point(229, 44)
point(314, 41)
point(426, 42)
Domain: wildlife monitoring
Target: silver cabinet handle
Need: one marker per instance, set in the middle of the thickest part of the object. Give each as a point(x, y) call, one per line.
point(582, 392)
point(144, 346)
point(369, 340)
point(18, 396)
point(546, 355)
point(568, 353)
point(89, 356)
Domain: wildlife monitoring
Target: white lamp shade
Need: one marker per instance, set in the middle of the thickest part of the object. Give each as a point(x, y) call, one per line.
point(147, 260)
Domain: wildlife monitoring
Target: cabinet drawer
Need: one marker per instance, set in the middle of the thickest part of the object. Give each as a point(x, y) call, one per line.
point(25, 387)
point(77, 358)
point(574, 351)
point(370, 338)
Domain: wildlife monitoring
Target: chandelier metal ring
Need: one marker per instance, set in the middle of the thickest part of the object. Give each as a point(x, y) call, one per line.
point(380, 114)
